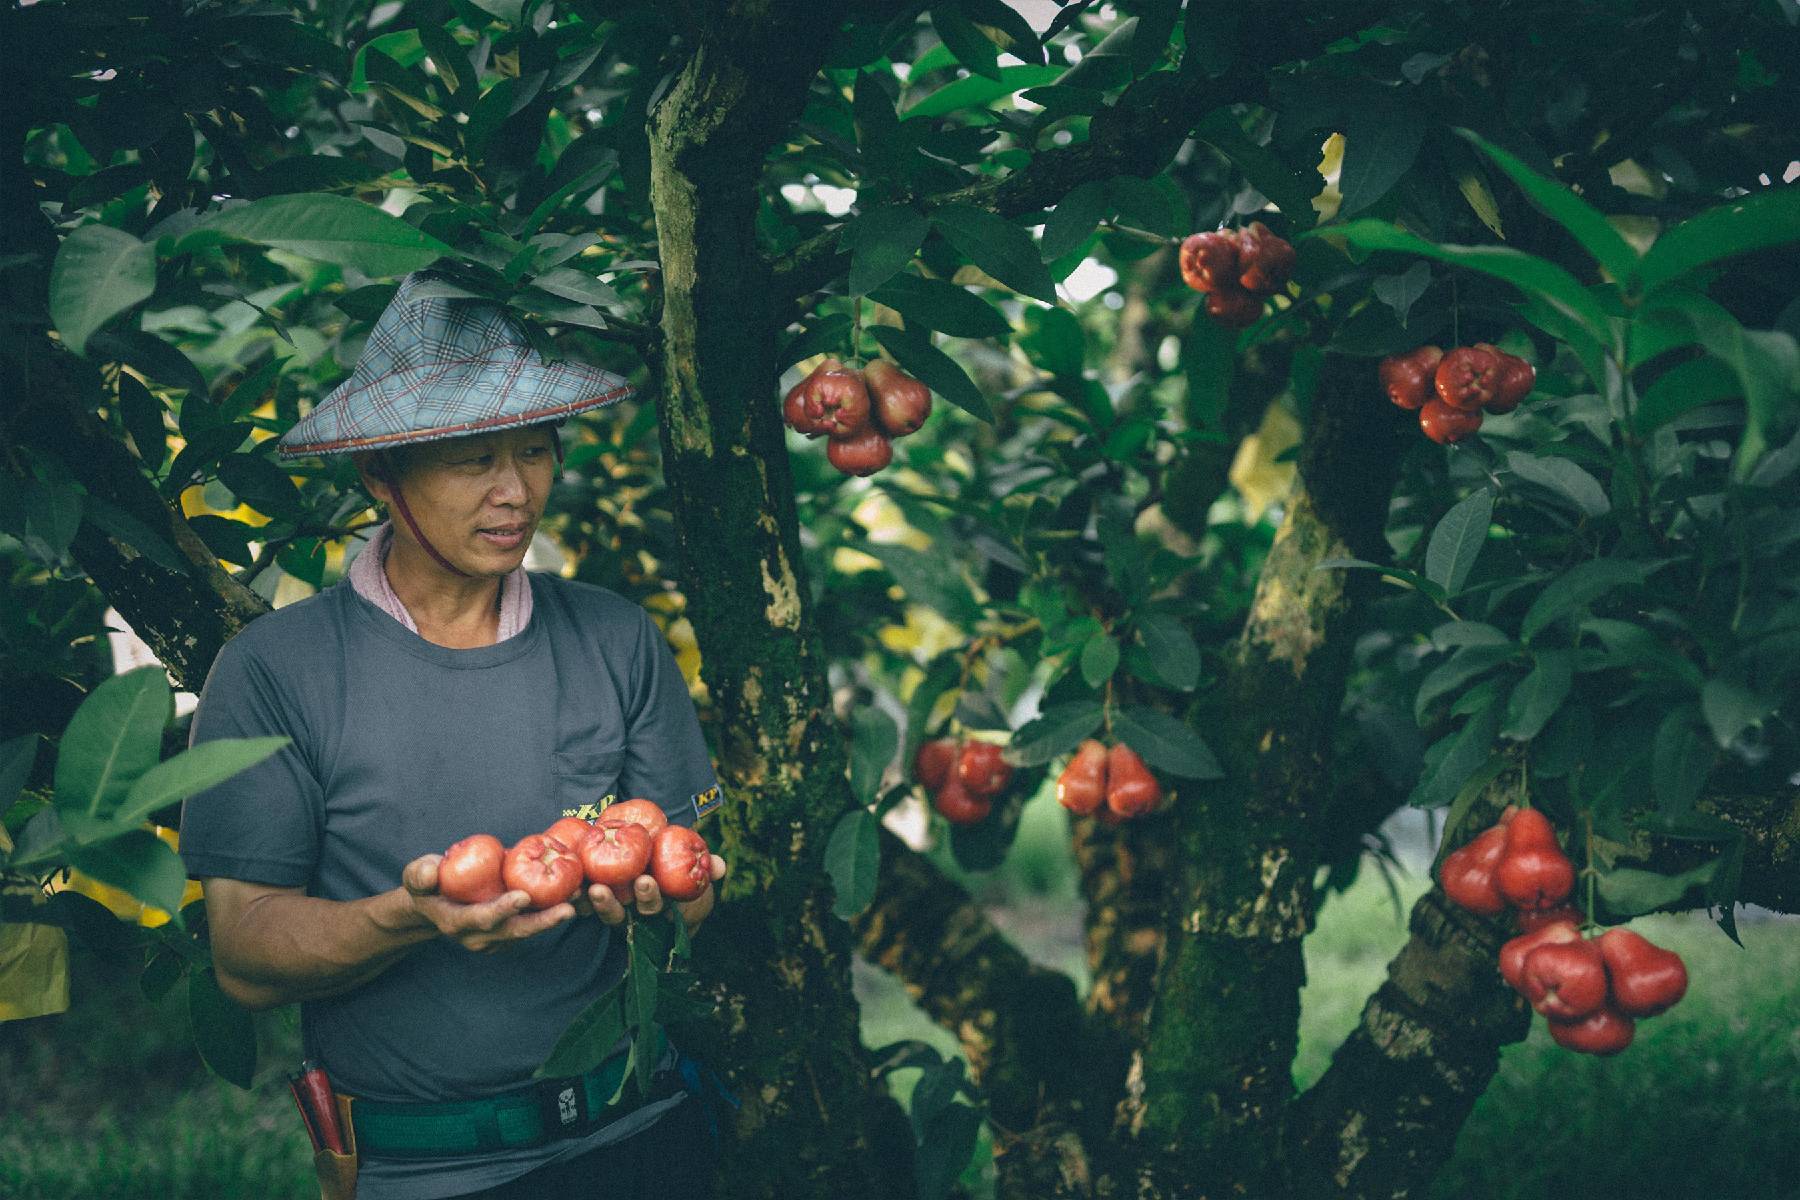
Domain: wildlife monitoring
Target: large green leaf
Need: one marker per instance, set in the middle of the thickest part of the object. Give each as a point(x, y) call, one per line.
point(1583, 221)
point(112, 740)
point(853, 860)
point(1578, 586)
point(16, 757)
point(998, 247)
point(99, 273)
point(588, 1040)
point(1629, 892)
point(978, 90)
point(223, 1031)
point(191, 772)
point(1682, 388)
point(333, 229)
point(1564, 478)
point(946, 307)
point(1537, 277)
point(1074, 217)
point(1166, 743)
point(875, 738)
point(1292, 191)
point(881, 242)
point(1753, 222)
point(1382, 137)
point(1537, 697)
point(1057, 730)
point(1465, 752)
point(138, 863)
point(1457, 541)
point(1470, 662)
point(1172, 648)
point(1731, 708)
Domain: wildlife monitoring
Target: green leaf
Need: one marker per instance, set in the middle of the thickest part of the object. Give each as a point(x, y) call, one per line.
point(142, 413)
point(874, 740)
point(853, 860)
point(929, 579)
point(127, 530)
point(824, 334)
point(1578, 586)
point(256, 481)
point(1633, 646)
point(1057, 730)
point(1291, 191)
point(1400, 292)
point(1764, 363)
point(16, 756)
point(1467, 633)
point(588, 1041)
point(1683, 388)
point(882, 242)
point(970, 46)
point(1564, 478)
point(648, 954)
point(1399, 575)
point(1583, 221)
point(1457, 541)
point(1629, 892)
point(1753, 222)
point(1536, 277)
point(568, 283)
point(1166, 743)
point(1730, 709)
point(223, 1031)
point(1070, 222)
point(1537, 697)
point(1466, 752)
point(998, 247)
point(333, 229)
point(192, 771)
point(510, 11)
point(1099, 659)
point(946, 307)
point(136, 862)
point(935, 369)
point(980, 91)
point(945, 1150)
point(452, 62)
point(1382, 137)
point(1468, 663)
point(112, 740)
point(99, 273)
point(1172, 648)
point(1681, 759)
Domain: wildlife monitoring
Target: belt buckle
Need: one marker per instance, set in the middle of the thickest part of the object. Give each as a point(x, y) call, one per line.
point(563, 1105)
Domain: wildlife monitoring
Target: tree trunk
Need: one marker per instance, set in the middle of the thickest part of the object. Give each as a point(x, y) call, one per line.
point(810, 1122)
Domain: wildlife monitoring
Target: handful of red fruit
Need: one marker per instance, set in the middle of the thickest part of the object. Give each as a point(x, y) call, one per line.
point(1593, 991)
point(1237, 269)
point(631, 839)
point(962, 778)
point(858, 412)
point(1450, 391)
point(1111, 776)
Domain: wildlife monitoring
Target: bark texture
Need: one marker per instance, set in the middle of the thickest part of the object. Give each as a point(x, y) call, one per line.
point(810, 1122)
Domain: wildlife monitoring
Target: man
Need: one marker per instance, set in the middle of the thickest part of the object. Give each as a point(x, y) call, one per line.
point(439, 692)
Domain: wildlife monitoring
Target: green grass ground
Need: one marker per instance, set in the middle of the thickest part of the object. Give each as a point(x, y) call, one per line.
point(109, 1101)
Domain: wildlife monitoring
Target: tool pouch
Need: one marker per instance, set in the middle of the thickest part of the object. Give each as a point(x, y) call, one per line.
point(337, 1172)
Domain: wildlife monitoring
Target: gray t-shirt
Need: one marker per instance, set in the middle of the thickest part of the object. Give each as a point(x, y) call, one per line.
point(402, 747)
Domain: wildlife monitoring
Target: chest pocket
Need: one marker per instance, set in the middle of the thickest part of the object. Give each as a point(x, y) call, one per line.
point(586, 782)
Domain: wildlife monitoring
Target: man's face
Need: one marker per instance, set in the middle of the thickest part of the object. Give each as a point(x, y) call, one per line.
point(477, 499)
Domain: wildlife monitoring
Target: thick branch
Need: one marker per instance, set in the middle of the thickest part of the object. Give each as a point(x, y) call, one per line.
point(1020, 1024)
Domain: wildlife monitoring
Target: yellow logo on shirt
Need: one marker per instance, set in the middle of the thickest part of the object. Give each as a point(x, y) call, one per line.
point(590, 812)
point(706, 801)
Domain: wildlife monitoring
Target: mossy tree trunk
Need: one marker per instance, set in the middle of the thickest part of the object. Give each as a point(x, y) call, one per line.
point(810, 1123)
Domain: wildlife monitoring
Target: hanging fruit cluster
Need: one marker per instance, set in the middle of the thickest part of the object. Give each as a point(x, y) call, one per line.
point(1237, 269)
point(857, 412)
point(1592, 992)
point(963, 778)
point(1112, 781)
point(1450, 391)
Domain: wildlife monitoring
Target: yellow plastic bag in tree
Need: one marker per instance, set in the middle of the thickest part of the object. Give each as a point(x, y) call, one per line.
point(34, 971)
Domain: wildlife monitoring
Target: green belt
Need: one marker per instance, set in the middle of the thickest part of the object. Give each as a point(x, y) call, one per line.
point(530, 1116)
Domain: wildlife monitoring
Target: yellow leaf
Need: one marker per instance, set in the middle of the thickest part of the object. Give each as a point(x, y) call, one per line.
point(1327, 201)
point(34, 971)
point(1481, 200)
point(1254, 472)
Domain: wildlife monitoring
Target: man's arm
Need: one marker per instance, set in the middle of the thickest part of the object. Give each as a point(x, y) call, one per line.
point(275, 945)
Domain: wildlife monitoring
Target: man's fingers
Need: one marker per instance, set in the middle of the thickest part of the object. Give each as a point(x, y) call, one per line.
point(420, 875)
point(718, 868)
point(649, 896)
point(606, 904)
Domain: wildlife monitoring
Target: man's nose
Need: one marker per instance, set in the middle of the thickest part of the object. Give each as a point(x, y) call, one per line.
point(509, 479)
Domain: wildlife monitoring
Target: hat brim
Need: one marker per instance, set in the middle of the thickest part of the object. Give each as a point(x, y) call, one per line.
point(428, 419)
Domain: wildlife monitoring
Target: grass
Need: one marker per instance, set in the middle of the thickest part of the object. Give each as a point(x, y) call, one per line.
point(109, 1100)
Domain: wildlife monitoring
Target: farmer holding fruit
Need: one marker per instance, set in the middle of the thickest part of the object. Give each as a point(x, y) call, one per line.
point(438, 693)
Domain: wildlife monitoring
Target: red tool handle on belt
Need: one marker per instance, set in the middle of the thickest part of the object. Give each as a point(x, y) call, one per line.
point(315, 1089)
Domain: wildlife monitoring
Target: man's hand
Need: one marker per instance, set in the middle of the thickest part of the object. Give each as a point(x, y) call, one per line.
point(648, 899)
point(481, 927)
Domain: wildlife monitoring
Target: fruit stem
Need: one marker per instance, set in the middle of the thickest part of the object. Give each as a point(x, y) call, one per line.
point(1142, 235)
point(856, 330)
point(1106, 707)
point(1588, 873)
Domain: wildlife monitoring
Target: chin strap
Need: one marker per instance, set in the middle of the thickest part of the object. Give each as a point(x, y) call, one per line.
point(389, 477)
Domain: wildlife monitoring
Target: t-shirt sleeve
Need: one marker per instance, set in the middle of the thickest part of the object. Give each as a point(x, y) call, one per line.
point(666, 759)
point(261, 825)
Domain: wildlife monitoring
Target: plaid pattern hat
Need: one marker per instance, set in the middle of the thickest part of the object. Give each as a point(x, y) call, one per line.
point(441, 366)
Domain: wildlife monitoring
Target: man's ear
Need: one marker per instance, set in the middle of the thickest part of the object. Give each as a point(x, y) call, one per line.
point(368, 469)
